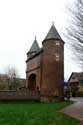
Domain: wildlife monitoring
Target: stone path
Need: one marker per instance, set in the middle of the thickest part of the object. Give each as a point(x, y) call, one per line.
point(75, 110)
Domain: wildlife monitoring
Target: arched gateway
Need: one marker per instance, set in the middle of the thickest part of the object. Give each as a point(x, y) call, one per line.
point(32, 82)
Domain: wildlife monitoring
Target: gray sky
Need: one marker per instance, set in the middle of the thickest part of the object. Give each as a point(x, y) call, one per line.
point(21, 21)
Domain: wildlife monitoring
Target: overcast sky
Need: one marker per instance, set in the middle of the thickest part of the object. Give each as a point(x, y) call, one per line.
point(21, 21)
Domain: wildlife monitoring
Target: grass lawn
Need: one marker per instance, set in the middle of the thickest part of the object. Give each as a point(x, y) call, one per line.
point(35, 114)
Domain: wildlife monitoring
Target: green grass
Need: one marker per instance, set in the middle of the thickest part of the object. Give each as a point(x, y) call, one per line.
point(35, 114)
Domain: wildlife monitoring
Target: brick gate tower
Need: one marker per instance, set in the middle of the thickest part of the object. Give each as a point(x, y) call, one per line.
point(45, 67)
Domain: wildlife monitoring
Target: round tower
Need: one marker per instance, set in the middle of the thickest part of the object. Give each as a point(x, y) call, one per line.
point(52, 66)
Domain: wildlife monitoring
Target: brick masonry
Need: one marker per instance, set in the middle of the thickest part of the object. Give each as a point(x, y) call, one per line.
point(48, 67)
point(49, 72)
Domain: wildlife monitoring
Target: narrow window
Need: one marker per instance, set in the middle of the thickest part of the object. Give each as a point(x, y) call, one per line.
point(57, 56)
point(33, 53)
point(57, 43)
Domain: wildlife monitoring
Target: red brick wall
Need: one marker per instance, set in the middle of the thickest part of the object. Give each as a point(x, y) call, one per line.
point(33, 63)
point(52, 70)
point(33, 67)
point(49, 72)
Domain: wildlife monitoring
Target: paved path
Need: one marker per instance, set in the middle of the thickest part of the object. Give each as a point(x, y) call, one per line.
point(75, 110)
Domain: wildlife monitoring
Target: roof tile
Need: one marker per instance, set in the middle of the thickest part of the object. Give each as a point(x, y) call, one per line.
point(53, 34)
point(35, 47)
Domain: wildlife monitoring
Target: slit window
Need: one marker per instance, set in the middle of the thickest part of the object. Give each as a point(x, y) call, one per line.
point(57, 43)
point(57, 56)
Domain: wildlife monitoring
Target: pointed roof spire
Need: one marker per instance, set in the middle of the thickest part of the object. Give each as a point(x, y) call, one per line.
point(35, 38)
point(52, 23)
point(53, 34)
point(35, 47)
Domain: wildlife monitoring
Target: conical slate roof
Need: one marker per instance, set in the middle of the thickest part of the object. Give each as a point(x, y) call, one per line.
point(53, 34)
point(35, 47)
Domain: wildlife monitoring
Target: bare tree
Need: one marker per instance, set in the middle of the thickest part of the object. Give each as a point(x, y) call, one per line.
point(75, 29)
point(13, 76)
point(12, 72)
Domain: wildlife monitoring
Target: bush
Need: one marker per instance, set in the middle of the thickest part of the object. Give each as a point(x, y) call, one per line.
point(79, 93)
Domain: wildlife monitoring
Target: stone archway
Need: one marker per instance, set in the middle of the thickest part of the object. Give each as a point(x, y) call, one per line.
point(32, 82)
